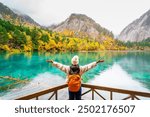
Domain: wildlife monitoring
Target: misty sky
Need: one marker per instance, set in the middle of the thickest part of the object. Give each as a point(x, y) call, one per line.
point(111, 14)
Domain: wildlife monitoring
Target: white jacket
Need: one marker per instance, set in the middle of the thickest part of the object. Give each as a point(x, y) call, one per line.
point(66, 68)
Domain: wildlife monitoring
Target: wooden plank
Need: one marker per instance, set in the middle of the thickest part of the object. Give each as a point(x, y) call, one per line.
point(31, 96)
point(127, 97)
point(136, 98)
point(86, 92)
point(100, 95)
point(51, 96)
point(145, 94)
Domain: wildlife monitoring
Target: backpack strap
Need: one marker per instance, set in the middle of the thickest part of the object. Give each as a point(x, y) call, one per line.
point(74, 69)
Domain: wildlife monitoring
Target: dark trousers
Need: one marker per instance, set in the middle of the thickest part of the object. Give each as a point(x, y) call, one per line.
point(75, 95)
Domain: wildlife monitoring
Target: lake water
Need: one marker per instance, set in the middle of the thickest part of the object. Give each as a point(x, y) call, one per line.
point(125, 70)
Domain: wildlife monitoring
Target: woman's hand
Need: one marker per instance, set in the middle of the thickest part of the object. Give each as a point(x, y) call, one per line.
point(100, 61)
point(51, 61)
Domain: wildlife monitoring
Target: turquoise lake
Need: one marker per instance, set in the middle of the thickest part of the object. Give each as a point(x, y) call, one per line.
point(126, 70)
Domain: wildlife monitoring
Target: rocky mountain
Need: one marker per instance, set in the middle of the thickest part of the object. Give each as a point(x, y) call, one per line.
point(138, 30)
point(81, 24)
point(15, 16)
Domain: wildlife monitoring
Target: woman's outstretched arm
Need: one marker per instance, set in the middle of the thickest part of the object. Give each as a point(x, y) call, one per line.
point(89, 66)
point(60, 66)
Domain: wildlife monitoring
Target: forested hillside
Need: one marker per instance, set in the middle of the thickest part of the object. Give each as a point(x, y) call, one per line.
point(20, 38)
point(15, 16)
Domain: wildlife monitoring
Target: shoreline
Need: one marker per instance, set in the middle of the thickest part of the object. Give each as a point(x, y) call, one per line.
point(117, 51)
point(123, 51)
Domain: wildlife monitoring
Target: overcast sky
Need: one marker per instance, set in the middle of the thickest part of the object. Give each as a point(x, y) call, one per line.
point(111, 14)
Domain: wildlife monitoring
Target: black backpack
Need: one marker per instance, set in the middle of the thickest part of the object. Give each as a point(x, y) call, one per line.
point(74, 69)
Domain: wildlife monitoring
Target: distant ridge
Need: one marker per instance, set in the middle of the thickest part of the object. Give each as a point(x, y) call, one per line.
point(138, 30)
point(15, 16)
point(81, 24)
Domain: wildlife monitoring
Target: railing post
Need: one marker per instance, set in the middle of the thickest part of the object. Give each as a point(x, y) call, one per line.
point(56, 95)
point(92, 94)
point(132, 97)
point(111, 95)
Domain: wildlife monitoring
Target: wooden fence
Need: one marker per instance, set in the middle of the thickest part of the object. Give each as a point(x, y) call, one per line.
point(92, 88)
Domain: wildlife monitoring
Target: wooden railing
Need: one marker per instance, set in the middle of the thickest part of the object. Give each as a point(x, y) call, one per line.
point(131, 94)
point(53, 90)
point(92, 88)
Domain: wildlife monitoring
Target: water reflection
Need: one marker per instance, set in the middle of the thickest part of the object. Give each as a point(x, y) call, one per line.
point(132, 65)
point(138, 66)
point(118, 78)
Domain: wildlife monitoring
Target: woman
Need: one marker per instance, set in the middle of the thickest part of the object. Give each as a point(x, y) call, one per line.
point(74, 73)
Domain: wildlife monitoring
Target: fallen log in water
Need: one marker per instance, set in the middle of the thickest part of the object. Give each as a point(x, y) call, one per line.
point(13, 82)
point(14, 79)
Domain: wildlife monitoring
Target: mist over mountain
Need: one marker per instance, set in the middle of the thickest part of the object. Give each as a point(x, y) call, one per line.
point(15, 16)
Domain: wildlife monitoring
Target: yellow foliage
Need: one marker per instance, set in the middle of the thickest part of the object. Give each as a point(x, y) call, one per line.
point(39, 35)
point(102, 47)
point(15, 51)
point(28, 47)
point(83, 45)
point(52, 44)
point(72, 46)
point(66, 40)
point(41, 45)
point(69, 33)
point(59, 45)
point(5, 47)
point(9, 36)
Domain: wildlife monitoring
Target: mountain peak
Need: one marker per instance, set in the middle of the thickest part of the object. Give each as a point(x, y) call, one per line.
point(80, 16)
point(138, 30)
point(80, 23)
point(15, 16)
